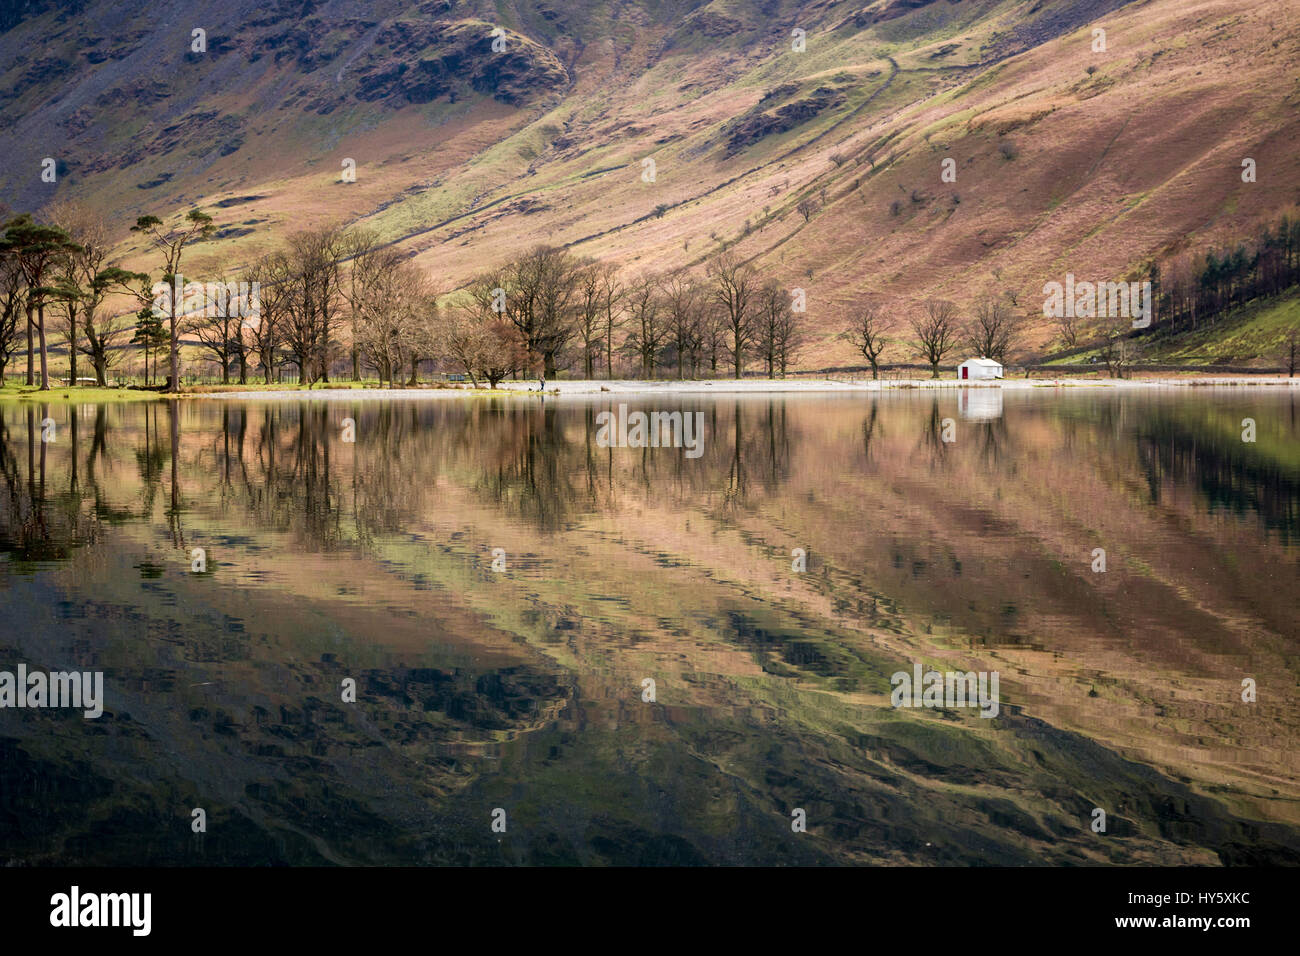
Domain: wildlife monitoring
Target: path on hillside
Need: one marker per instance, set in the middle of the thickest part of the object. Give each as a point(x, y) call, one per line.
point(749, 172)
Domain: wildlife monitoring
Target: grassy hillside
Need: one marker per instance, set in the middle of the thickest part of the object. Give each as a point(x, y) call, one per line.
point(1257, 329)
point(1067, 159)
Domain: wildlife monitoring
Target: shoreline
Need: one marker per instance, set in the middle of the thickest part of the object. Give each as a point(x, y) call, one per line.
point(631, 387)
point(595, 388)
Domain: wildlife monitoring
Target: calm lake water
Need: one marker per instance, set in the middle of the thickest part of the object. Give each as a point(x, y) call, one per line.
point(523, 689)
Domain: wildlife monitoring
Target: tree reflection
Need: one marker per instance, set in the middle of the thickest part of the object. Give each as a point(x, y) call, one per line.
point(286, 468)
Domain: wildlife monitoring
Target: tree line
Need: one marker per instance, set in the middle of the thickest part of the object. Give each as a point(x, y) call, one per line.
point(542, 311)
point(547, 305)
point(1188, 292)
point(1195, 290)
point(934, 330)
point(336, 297)
point(337, 300)
point(60, 266)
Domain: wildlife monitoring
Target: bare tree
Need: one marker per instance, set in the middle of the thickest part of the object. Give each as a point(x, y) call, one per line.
point(315, 305)
point(425, 335)
point(539, 291)
point(216, 325)
point(272, 276)
point(714, 332)
point(460, 342)
point(937, 332)
point(557, 271)
point(868, 334)
point(648, 328)
point(590, 314)
point(1069, 326)
point(995, 330)
point(612, 294)
point(788, 336)
point(772, 321)
point(362, 248)
point(392, 315)
point(734, 289)
point(1117, 352)
point(484, 344)
point(683, 300)
point(374, 299)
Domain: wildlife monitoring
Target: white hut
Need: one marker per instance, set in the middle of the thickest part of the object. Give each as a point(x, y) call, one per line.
point(979, 368)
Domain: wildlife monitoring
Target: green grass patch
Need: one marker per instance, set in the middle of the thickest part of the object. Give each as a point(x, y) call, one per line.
point(65, 395)
point(1256, 332)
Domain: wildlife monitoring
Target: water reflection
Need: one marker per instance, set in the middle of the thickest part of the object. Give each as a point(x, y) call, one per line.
point(373, 559)
point(979, 404)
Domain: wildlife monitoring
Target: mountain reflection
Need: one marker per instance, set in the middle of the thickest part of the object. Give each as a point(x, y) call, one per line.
point(935, 528)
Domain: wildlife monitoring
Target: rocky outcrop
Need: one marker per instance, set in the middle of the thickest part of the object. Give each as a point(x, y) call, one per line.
point(758, 123)
point(421, 62)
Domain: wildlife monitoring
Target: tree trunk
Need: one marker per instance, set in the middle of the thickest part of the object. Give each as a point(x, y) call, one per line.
point(40, 329)
point(31, 355)
point(174, 351)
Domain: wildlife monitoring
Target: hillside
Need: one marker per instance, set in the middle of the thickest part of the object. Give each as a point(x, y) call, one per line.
point(1067, 160)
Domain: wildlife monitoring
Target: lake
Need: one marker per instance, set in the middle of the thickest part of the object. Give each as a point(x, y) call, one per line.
point(472, 631)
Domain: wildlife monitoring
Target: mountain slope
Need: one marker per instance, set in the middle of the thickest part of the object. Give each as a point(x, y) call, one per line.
point(1066, 159)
